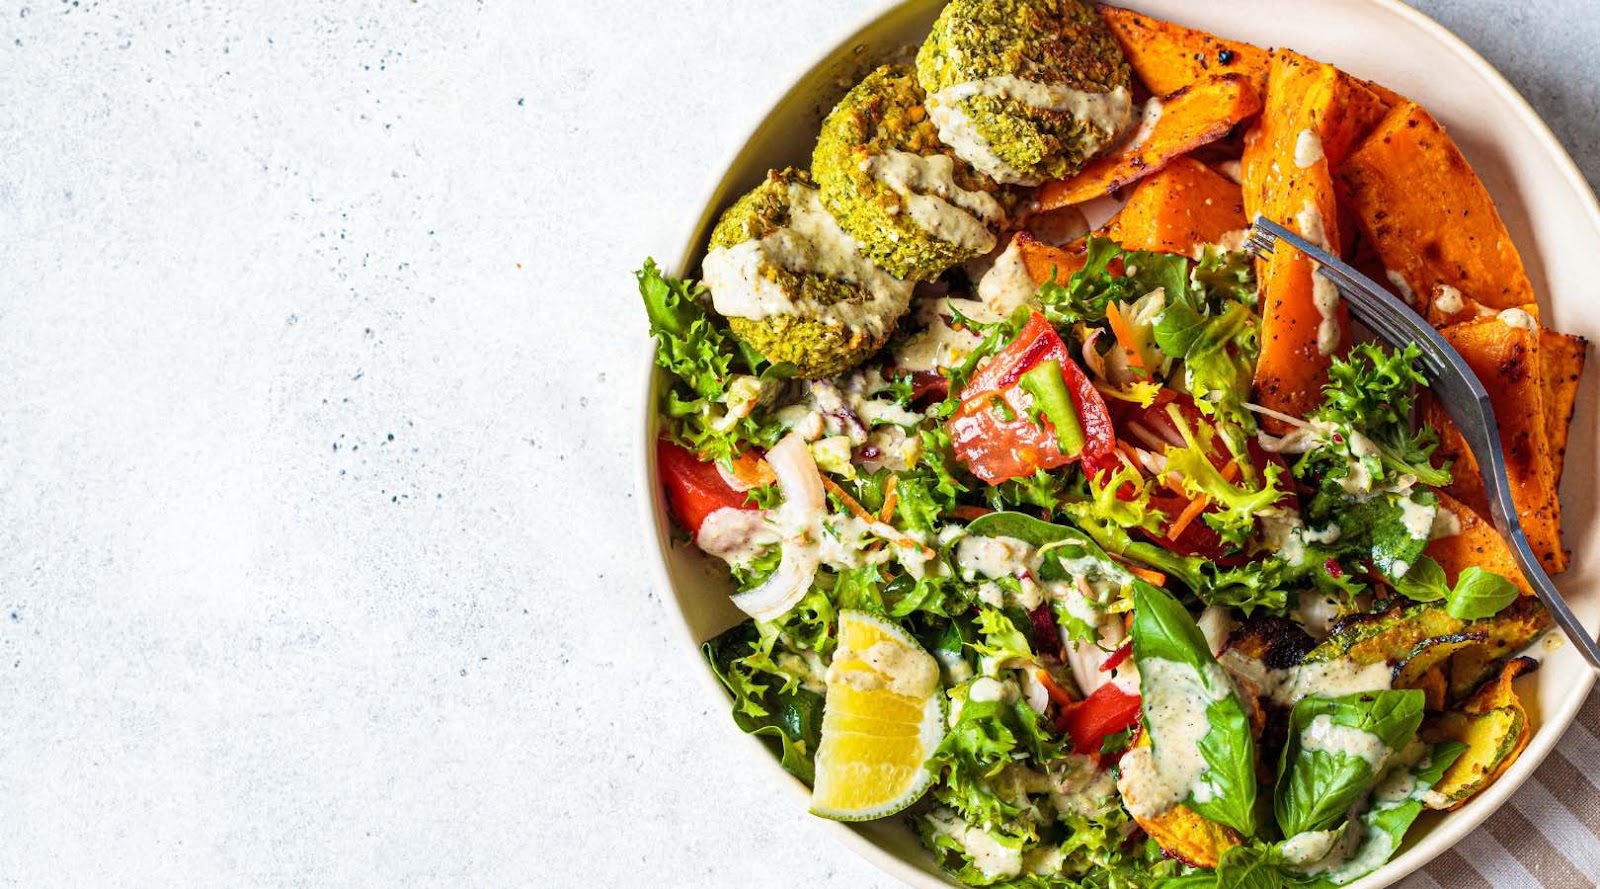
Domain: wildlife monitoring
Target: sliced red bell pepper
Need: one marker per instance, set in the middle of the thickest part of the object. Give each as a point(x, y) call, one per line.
point(695, 489)
point(1089, 721)
point(1003, 430)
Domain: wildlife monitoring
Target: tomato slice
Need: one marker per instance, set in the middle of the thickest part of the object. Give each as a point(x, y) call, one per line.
point(695, 488)
point(992, 431)
point(1088, 722)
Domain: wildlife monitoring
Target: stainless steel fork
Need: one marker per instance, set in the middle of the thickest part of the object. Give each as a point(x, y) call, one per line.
point(1460, 393)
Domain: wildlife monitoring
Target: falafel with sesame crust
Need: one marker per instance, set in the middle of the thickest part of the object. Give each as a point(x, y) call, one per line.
point(1025, 90)
point(915, 209)
point(794, 286)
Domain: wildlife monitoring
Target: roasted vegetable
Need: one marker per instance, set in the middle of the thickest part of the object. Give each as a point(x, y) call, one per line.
point(1429, 655)
point(1313, 114)
point(1401, 182)
point(1193, 116)
point(1493, 725)
point(1561, 358)
point(1393, 634)
point(1506, 358)
point(1178, 209)
point(1169, 56)
point(1476, 544)
point(1277, 642)
point(1184, 834)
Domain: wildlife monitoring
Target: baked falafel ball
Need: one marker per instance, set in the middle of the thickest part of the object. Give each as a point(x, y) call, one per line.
point(915, 209)
point(1025, 90)
point(794, 286)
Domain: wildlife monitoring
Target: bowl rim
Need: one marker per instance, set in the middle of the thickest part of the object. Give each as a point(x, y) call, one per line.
point(657, 526)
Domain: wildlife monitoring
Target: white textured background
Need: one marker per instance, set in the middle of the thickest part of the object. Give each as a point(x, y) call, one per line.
point(318, 351)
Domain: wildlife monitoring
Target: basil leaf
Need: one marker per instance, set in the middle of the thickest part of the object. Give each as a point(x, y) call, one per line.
point(1336, 749)
point(1163, 631)
point(1479, 593)
point(1425, 582)
point(1396, 803)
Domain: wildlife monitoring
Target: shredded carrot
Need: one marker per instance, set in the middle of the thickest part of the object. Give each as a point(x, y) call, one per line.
point(1057, 694)
point(891, 499)
point(751, 471)
point(850, 503)
point(970, 513)
point(1174, 483)
point(1128, 449)
point(1189, 514)
point(1230, 473)
point(1124, 334)
point(1141, 572)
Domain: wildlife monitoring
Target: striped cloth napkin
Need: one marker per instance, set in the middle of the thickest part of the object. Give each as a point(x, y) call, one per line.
point(1547, 836)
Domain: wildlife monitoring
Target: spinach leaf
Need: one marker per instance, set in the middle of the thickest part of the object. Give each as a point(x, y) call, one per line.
point(1164, 631)
point(1479, 593)
point(1336, 749)
point(788, 712)
point(1378, 527)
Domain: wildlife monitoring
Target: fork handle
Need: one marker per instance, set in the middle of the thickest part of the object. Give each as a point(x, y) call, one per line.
point(1503, 510)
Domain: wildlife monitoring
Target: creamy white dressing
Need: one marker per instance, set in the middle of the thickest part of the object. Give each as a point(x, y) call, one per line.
point(1417, 517)
point(1445, 524)
point(737, 536)
point(899, 668)
point(989, 854)
point(1149, 116)
point(1323, 735)
point(1007, 285)
point(1285, 534)
point(1308, 847)
point(928, 190)
point(1110, 112)
point(1322, 679)
point(938, 344)
point(1324, 293)
point(1518, 318)
point(1081, 787)
point(1447, 299)
point(1231, 242)
point(1398, 281)
point(1358, 847)
point(1172, 769)
point(993, 557)
point(812, 243)
point(1307, 149)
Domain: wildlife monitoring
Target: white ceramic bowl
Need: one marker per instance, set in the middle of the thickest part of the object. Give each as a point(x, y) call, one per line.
point(1552, 215)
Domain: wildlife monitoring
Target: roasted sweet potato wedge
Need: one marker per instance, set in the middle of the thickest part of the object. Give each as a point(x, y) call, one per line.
point(1405, 178)
point(1507, 359)
point(1168, 56)
point(1476, 543)
point(1178, 209)
point(1193, 116)
point(1561, 358)
point(1312, 116)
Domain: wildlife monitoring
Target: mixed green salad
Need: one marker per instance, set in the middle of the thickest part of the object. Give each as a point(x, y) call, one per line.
point(1096, 559)
point(1170, 646)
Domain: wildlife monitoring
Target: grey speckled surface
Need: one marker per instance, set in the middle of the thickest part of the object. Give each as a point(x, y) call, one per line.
point(318, 557)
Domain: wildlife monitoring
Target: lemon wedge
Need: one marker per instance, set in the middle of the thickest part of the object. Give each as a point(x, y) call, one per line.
point(882, 718)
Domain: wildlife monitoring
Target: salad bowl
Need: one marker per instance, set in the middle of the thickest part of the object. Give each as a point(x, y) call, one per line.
point(1552, 216)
